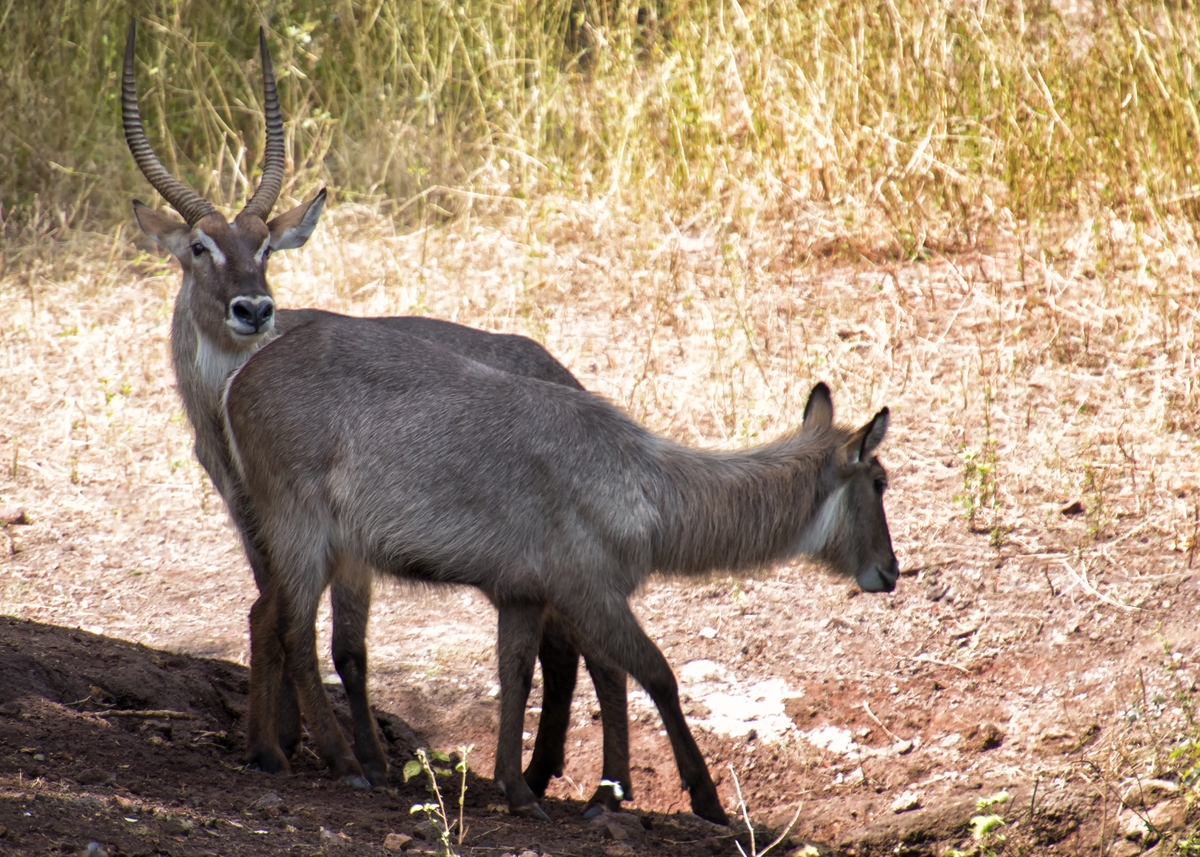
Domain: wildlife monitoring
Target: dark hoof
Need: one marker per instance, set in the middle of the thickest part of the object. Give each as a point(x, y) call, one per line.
point(607, 797)
point(531, 811)
point(358, 781)
point(707, 805)
point(714, 814)
point(269, 762)
point(377, 777)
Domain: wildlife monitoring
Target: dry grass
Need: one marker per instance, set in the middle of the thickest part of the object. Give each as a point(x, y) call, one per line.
point(1076, 383)
point(917, 202)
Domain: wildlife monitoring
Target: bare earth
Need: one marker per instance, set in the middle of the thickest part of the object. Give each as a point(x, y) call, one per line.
point(1036, 651)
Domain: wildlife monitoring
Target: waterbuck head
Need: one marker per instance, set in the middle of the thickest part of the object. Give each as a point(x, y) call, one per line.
point(225, 291)
point(849, 530)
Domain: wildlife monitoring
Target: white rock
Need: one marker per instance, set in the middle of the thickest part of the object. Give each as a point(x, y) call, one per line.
point(907, 801)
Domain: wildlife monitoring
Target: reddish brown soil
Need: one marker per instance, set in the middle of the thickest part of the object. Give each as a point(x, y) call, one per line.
point(1054, 658)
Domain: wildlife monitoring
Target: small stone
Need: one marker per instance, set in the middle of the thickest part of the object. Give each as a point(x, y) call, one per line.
point(177, 826)
point(1168, 816)
point(270, 803)
point(333, 843)
point(620, 826)
point(14, 516)
point(902, 747)
point(528, 853)
point(427, 830)
point(907, 801)
point(1148, 792)
point(397, 842)
point(1124, 848)
point(1072, 509)
point(94, 849)
point(93, 777)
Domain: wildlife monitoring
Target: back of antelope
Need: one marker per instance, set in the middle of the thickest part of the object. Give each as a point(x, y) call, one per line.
point(362, 451)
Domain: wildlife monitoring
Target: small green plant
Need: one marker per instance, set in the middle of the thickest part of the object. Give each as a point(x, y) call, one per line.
point(981, 492)
point(985, 840)
point(434, 765)
point(1094, 487)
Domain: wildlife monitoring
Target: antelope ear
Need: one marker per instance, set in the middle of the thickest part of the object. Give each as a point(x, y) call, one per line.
point(818, 413)
point(292, 228)
point(867, 439)
point(171, 232)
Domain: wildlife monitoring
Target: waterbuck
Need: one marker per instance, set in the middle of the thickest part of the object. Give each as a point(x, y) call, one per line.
point(224, 312)
point(361, 450)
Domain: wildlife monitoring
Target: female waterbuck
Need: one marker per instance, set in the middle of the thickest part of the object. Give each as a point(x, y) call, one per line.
point(360, 450)
point(225, 312)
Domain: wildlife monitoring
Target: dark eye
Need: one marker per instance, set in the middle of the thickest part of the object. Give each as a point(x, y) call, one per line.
point(880, 486)
point(266, 255)
point(199, 249)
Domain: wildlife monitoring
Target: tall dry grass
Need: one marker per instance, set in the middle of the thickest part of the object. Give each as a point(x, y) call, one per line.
point(890, 125)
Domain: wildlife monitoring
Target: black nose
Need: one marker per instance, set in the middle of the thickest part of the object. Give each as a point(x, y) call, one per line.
point(253, 313)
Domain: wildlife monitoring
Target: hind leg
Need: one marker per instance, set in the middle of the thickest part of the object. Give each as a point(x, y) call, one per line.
point(518, 638)
point(350, 596)
point(609, 629)
point(614, 719)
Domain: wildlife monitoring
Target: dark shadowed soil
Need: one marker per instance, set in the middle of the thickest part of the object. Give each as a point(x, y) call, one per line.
point(138, 750)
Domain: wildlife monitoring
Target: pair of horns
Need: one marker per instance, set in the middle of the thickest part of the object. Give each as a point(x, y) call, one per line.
point(185, 200)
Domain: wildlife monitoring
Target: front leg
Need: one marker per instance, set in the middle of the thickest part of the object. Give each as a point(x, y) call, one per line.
point(350, 598)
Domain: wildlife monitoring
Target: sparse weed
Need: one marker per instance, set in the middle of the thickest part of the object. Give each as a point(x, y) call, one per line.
point(754, 852)
point(980, 495)
point(434, 764)
point(986, 840)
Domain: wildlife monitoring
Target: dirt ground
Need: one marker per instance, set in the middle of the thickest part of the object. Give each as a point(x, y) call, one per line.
point(1047, 650)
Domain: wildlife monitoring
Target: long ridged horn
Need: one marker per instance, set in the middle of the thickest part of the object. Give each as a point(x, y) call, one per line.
point(185, 200)
point(271, 182)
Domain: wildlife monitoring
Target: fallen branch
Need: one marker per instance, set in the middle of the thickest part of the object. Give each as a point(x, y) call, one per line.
point(153, 714)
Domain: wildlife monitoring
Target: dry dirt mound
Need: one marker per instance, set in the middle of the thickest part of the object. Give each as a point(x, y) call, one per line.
point(139, 751)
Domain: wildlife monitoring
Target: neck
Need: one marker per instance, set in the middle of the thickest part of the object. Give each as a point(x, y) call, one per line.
point(201, 363)
point(730, 511)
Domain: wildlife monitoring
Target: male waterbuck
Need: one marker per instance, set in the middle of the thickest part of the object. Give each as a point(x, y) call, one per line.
point(359, 450)
point(223, 314)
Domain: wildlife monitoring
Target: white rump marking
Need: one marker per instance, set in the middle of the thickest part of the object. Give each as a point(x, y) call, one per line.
point(218, 256)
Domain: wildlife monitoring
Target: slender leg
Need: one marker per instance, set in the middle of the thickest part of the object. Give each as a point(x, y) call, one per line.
point(299, 606)
point(560, 667)
point(518, 638)
point(614, 719)
point(611, 630)
point(266, 677)
point(351, 599)
point(289, 707)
